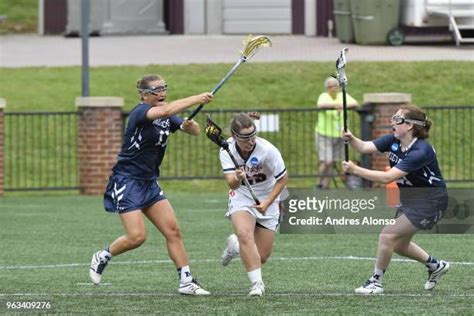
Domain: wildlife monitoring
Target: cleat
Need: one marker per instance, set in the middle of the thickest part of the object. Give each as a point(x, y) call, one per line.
point(231, 251)
point(192, 288)
point(97, 267)
point(370, 287)
point(257, 289)
point(435, 275)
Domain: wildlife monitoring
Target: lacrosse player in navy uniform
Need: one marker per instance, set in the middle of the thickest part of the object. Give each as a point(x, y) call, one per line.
point(254, 225)
point(423, 193)
point(133, 189)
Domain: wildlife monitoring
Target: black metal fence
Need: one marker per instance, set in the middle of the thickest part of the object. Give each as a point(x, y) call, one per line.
point(41, 151)
point(451, 135)
point(41, 148)
point(291, 131)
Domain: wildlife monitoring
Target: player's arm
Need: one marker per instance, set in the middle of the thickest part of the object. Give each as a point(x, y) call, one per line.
point(234, 179)
point(277, 188)
point(169, 109)
point(364, 147)
point(373, 175)
point(190, 127)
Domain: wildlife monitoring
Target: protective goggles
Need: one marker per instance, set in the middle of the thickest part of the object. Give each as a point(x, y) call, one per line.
point(248, 136)
point(155, 90)
point(399, 120)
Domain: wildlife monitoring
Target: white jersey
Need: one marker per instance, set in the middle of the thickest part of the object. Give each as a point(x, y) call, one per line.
point(264, 167)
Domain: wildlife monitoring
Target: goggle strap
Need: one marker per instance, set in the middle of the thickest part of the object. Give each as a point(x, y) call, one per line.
point(416, 122)
point(245, 136)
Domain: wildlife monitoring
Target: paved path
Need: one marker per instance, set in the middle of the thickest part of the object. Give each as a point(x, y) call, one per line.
point(34, 50)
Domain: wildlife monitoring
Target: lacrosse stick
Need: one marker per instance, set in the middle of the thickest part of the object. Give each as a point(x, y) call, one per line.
point(252, 45)
point(342, 80)
point(214, 133)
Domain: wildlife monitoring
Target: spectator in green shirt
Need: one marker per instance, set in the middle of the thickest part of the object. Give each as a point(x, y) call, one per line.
point(329, 143)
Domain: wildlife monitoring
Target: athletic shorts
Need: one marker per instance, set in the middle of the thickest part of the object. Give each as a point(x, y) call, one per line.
point(424, 214)
point(329, 148)
point(124, 194)
point(238, 202)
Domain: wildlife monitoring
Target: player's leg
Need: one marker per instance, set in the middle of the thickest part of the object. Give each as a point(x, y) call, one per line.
point(231, 251)
point(264, 238)
point(389, 238)
point(244, 227)
point(436, 268)
point(407, 248)
point(162, 215)
point(135, 235)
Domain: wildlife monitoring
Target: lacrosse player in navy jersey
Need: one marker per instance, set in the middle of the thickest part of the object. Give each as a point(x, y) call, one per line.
point(423, 193)
point(133, 189)
point(254, 225)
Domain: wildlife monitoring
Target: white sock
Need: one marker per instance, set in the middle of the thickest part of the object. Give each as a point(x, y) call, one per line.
point(378, 275)
point(255, 275)
point(185, 275)
point(432, 263)
point(105, 255)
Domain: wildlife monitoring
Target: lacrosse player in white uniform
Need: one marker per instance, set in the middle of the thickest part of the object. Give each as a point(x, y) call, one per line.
point(254, 225)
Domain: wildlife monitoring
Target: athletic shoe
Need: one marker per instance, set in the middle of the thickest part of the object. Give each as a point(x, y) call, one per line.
point(370, 287)
point(97, 267)
point(435, 275)
point(231, 251)
point(192, 288)
point(257, 289)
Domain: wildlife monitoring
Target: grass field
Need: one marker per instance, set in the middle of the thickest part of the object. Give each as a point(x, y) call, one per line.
point(256, 86)
point(47, 243)
point(22, 16)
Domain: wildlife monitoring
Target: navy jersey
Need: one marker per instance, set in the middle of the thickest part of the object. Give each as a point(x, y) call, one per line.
point(419, 161)
point(144, 144)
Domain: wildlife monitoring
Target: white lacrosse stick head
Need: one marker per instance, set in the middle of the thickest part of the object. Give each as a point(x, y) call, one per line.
point(341, 68)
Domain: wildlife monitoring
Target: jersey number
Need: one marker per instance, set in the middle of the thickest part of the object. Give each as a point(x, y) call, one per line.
point(257, 178)
point(163, 138)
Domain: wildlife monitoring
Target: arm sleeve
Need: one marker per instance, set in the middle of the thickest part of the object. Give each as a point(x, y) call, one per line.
point(350, 99)
point(277, 164)
point(414, 160)
point(138, 114)
point(175, 123)
point(226, 161)
point(384, 143)
point(323, 99)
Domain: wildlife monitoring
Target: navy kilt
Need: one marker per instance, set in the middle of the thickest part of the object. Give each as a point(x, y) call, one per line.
point(124, 194)
point(423, 210)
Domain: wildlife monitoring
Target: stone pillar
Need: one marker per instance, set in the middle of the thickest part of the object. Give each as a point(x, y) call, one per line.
point(99, 140)
point(3, 104)
point(383, 106)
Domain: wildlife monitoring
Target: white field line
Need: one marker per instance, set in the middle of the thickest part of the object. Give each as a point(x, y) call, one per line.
point(74, 265)
point(243, 295)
